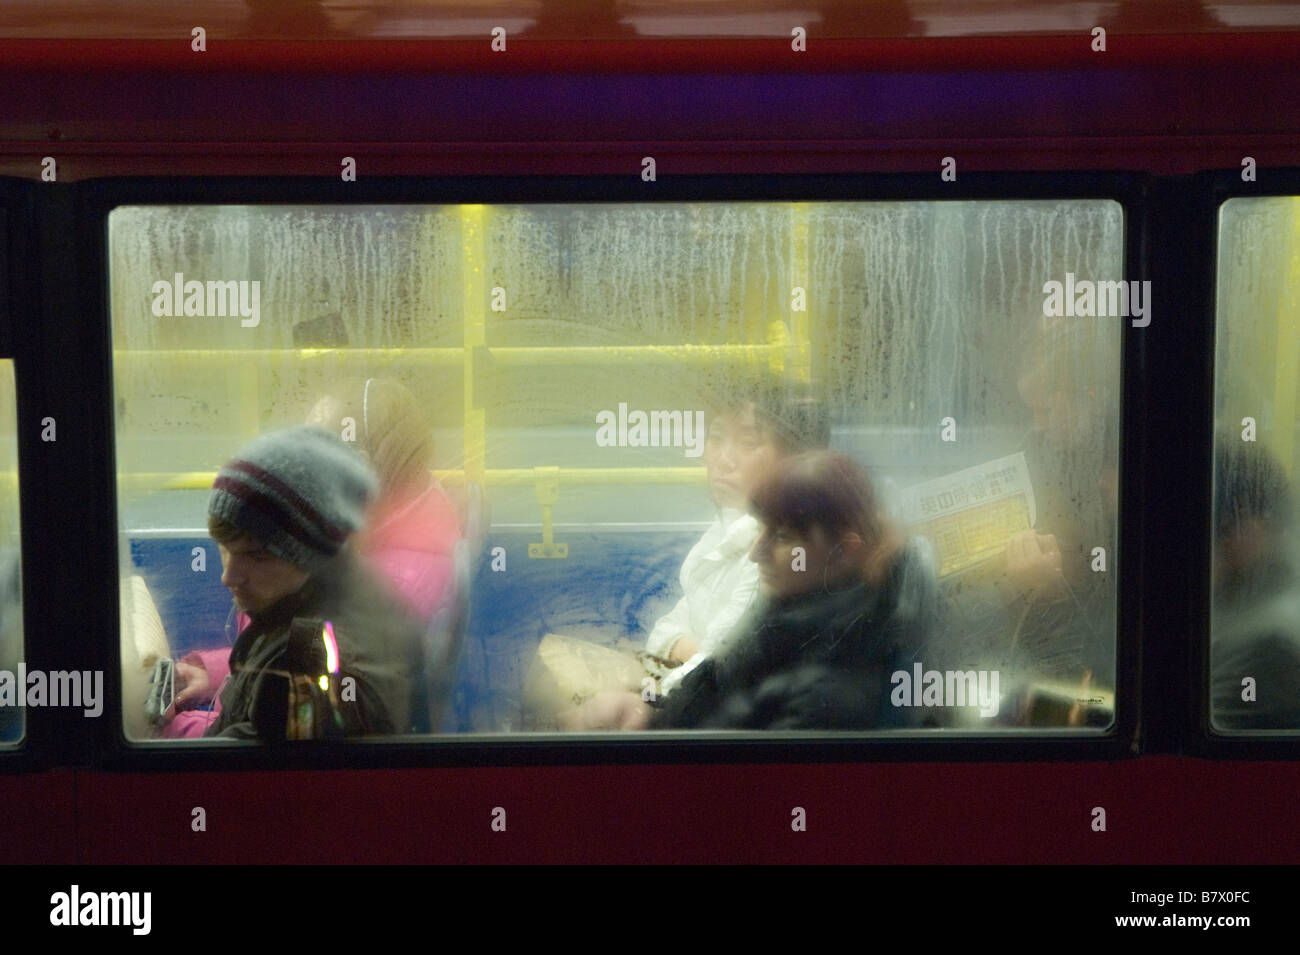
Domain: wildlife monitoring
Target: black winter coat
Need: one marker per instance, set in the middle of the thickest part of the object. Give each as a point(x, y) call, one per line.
point(815, 661)
point(1255, 627)
point(379, 646)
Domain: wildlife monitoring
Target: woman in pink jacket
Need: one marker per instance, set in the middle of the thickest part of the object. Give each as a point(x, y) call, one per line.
point(413, 528)
point(409, 537)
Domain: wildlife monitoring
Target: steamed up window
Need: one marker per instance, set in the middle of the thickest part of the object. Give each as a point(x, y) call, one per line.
point(12, 689)
point(832, 466)
point(1255, 618)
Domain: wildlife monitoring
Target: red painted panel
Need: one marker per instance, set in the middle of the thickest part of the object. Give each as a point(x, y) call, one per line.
point(523, 56)
point(38, 821)
point(1158, 810)
point(1166, 103)
point(1168, 121)
point(625, 18)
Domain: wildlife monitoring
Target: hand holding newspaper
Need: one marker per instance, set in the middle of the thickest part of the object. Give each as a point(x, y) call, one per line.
point(970, 516)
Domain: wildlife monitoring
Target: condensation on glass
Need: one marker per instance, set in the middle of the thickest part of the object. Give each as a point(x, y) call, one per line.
point(573, 373)
point(12, 715)
point(1255, 601)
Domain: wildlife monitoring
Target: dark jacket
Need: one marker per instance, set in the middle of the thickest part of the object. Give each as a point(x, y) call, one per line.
point(815, 661)
point(378, 642)
point(1034, 637)
point(1061, 638)
point(1255, 629)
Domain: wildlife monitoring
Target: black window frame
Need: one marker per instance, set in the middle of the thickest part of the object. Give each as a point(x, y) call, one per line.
point(14, 202)
point(53, 737)
point(78, 227)
point(1203, 207)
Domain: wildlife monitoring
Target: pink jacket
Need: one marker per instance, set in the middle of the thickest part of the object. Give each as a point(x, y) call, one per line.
point(188, 724)
point(410, 543)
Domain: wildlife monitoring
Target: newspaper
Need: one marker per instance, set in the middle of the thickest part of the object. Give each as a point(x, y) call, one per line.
point(567, 672)
point(970, 515)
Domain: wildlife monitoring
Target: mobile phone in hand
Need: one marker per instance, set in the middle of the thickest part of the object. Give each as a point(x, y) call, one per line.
point(161, 703)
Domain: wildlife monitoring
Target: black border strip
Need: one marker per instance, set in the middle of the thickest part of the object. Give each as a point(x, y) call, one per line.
point(20, 258)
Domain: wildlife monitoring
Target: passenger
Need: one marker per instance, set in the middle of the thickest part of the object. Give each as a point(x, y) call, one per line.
point(411, 530)
point(746, 439)
point(845, 603)
point(1069, 451)
point(1255, 619)
point(1049, 616)
point(282, 513)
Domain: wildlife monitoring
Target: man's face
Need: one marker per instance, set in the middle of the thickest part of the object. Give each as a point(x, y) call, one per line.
point(256, 578)
point(1036, 393)
point(737, 456)
point(1066, 417)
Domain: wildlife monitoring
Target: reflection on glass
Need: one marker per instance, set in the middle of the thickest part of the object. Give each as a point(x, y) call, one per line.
point(11, 589)
point(566, 414)
point(1255, 620)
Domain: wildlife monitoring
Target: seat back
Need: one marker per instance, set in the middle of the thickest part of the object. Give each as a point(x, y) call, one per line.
point(476, 517)
point(442, 643)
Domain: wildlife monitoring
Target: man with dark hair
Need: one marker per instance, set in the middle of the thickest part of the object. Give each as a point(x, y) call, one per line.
point(1255, 618)
point(326, 651)
point(749, 433)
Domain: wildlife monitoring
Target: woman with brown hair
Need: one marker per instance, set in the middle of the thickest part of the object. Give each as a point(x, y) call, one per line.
point(846, 602)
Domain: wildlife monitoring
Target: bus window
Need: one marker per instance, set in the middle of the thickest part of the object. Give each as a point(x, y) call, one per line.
point(1255, 598)
point(12, 720)
point(825, 466)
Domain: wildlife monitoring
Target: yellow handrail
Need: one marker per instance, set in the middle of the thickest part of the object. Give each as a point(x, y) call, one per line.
point(492, 477)
point(513, 356)
point(443, 356)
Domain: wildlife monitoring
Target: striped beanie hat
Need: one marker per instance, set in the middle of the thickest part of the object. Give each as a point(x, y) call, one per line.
point(298, 492)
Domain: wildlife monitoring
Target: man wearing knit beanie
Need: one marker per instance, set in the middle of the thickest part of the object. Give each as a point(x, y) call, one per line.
point(299, 494)
point(282, 512)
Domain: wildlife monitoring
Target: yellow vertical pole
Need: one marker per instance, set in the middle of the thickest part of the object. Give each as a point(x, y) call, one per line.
point(474, 306)
point(779, 339)
point(756, 299)
point(250, 418)
point(1287, 351)
point(800, 274)
point(764, 314)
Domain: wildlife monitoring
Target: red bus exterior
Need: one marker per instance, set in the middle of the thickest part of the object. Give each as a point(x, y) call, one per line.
point(1166, 98)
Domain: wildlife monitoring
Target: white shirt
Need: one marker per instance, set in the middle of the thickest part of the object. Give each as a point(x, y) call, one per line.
point(720, 582)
